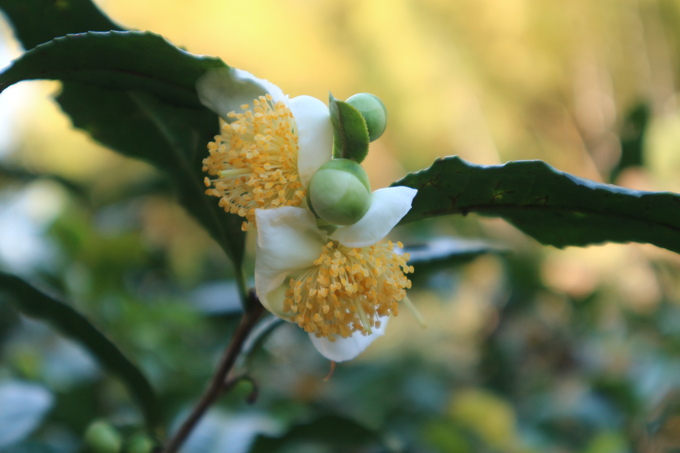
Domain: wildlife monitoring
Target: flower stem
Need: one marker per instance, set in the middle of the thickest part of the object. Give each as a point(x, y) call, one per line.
point(217, 383)
point(243, 292)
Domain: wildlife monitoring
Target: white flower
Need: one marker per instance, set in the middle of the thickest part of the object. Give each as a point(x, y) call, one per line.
point(269, 146)
point(340, 288)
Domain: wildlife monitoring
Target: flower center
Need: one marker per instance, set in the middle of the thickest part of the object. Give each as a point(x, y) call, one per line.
point(348, 289)
point(253, 162)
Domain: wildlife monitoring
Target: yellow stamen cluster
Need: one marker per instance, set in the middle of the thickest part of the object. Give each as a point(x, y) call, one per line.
point(347, 289)
point(253, 162)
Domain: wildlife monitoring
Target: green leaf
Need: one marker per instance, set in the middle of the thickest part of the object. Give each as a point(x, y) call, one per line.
point(350, 131)
point(555, 208)
point(171, 138)
point(34, 303)
point(125, 60)
point(135, 93)
point(335, 432)
point(38, 21)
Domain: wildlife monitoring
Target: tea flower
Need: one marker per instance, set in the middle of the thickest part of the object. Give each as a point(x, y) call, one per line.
point(341, 287)
point(269, 146)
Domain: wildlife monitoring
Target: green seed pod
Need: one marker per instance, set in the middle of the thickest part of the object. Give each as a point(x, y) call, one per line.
point(339, 192)
point(374, 112)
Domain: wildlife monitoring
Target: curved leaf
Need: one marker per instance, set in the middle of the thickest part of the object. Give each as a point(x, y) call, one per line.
point(171, 138)
point(38, 21)
point(34, 303)
point(555, 208)
point(135, 92)
point(128, 60)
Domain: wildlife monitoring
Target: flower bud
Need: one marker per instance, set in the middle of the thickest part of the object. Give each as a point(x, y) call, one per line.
point(140, 443)
point(339, 192)
point(102, 437)
point(373, 111)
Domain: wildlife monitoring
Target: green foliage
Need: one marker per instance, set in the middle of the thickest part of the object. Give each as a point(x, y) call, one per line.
point(341, 433)
point(171, 138)
point(141, 107)
point(496, 387)
point(116, 60)
point(555, 208)
point(38, 21)
point(35, 303)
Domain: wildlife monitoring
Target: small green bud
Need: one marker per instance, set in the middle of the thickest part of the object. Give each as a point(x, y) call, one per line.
point(139, 443)
point(339, 192)
point(102, 437)
point(374, 112)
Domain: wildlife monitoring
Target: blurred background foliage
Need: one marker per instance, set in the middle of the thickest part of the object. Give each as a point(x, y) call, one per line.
point(532, 350)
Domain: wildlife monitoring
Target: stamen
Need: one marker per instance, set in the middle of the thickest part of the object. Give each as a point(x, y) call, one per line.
point(415, 312)
point(253, 162)
point(348, 290)
point(330, 373)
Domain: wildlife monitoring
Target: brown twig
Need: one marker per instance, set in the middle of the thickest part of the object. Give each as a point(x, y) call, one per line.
point(220, 378)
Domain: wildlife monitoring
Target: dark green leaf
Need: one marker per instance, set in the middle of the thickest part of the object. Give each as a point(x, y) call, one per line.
point(338, 434)
point(139, 106)
point(171, 138)
point(350, 131)
point(38, 21)
point(553, 207)
point(22, 407)
point(34, 303)
point(128, 60)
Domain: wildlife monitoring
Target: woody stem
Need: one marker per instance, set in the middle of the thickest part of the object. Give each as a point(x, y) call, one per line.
point(217, 383)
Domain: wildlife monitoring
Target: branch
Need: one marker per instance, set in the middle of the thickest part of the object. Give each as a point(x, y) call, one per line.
point(220, 378)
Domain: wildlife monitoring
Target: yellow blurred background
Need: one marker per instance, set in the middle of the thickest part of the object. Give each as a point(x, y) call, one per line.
point(488, 80)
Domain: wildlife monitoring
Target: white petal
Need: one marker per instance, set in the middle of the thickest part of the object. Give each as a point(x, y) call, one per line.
point(224, 90)
point(273, 300)
point(287, 240)
point(347, 348)
point(388, 207)
point(315, 134)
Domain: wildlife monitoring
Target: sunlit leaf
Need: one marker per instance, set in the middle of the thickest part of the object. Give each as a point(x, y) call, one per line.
point(35, 303)
point(555, 208)
point(22, 408)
